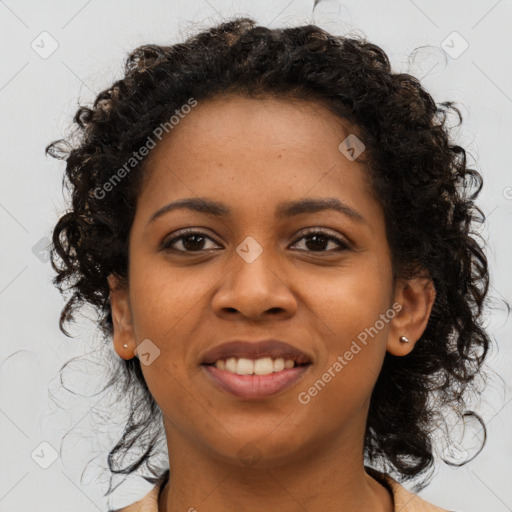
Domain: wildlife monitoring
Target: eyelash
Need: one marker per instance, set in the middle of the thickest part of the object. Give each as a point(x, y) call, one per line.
point(166, 245)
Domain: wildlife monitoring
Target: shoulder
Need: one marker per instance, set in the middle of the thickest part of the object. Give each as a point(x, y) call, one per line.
point(404, 501)
point(149, 503)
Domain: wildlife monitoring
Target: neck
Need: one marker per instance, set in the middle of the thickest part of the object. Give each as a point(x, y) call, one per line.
point(331, 480)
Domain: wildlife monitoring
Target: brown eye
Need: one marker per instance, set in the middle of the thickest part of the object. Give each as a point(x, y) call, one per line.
point(318, 240)
point(191, 241)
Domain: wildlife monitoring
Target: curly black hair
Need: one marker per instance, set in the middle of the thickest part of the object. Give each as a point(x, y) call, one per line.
point(420, 177)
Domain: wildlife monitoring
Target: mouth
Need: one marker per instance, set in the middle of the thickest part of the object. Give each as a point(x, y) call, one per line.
point(255, 370)
point(260, 366)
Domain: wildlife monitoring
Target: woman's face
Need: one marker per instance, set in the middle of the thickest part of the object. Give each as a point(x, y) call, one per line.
point(255, 274)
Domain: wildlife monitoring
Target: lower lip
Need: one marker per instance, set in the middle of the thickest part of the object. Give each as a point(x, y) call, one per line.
point(256, 386)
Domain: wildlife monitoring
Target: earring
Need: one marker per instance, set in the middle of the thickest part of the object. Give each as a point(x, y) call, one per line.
point(404, 339)
point(125, 346)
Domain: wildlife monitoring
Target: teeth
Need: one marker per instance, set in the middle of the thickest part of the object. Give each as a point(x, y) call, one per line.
point(288, 363)
point(278, 364)
point(262, 366)
point(245, 366)
point(231, 364)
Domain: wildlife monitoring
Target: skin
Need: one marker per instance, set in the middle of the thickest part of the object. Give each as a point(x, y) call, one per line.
point(252, 154)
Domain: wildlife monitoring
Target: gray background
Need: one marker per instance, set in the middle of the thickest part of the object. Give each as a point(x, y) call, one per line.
point(39, 93)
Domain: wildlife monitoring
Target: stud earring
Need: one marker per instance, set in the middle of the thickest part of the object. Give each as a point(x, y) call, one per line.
point(125, 346)
point(404, 339)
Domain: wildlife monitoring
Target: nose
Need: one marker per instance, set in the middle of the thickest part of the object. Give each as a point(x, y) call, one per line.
point(254, 290)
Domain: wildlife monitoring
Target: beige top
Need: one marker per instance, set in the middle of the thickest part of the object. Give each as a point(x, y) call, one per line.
point(404, 501)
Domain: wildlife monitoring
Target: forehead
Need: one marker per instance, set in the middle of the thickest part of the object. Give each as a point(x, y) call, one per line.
point(281, 121)
point(232, 138)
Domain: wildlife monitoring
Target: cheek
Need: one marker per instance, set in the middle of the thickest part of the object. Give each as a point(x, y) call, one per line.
point(162, 297)
point(353, 350)
point(350, 308)
point(163, 312)
point(351, 299)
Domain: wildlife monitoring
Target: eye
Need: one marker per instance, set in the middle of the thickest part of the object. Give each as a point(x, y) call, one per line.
point(191, 240)
point(319, 238)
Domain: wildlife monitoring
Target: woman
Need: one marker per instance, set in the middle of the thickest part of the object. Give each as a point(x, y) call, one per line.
point(279, 229)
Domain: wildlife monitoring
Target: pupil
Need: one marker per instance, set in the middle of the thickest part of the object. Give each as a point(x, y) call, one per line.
point(187, 245)
point(319, 240)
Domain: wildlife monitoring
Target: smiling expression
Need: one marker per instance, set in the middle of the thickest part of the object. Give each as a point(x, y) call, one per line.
point(253, 225)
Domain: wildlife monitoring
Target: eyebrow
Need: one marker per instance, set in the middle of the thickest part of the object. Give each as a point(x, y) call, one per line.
point(283, 210)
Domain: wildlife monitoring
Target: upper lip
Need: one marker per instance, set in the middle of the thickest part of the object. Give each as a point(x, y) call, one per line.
point(255, 350)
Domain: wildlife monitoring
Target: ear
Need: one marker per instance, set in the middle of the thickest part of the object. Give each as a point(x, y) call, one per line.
point(121, 318)
point(416, 297)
